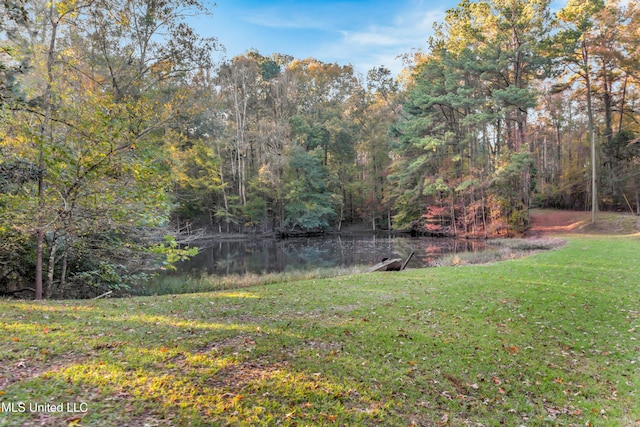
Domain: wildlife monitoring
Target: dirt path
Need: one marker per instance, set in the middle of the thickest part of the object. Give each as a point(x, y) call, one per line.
point(555, 221)
point(551, 221)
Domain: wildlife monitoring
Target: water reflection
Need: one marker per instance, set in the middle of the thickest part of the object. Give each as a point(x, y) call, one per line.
point(242, 256)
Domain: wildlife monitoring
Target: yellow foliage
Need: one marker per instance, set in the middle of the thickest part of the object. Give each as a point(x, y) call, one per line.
point(65, 7)
point(122, 19)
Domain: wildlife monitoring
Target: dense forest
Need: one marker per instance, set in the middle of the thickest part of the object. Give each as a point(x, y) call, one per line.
point(119, 129)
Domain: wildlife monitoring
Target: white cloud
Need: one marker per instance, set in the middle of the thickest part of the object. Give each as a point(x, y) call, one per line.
point(380, 44)
point(279, 18)
point(372, 37)
point(364, 34)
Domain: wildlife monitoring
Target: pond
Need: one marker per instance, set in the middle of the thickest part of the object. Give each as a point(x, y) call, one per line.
point(269, 255)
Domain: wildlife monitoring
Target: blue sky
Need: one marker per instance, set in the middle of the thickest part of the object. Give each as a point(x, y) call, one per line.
point(364, 33)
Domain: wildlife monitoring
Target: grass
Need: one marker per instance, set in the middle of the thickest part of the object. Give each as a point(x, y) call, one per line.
point(551, 339)
point(500, 250)
point(181, 284)
point(608, 222)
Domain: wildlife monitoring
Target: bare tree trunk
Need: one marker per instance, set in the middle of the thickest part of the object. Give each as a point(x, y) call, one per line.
point(224, 193)
point(63, 268)
point(637, 201)
point(46, 134)
point(545, 166)
point(624, 95)
point(51, 269)
point(484, 214)
point(453, 214)
point(592, 135)
point(39, 244)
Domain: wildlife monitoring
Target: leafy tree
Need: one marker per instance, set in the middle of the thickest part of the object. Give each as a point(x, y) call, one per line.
point(579, 15)
point(372, 112)
point(101, 95)
point(509, 184)
point(307, 196)
point(323, 90)
point(239, 82)
point(13, 20)
point(466, 112)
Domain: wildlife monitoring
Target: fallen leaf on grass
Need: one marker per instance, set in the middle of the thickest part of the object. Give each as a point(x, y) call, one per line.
point(566, 410)
point(444, 420)
point(446, 394)
point(553, 411)
point(71, 422)
point(331, 418)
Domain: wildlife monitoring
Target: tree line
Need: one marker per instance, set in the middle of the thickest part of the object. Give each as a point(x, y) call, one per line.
point(512, 107)
point(118, 128)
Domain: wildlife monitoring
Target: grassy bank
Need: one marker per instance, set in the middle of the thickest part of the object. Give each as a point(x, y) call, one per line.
point(183, 284)
point(552, 339)
point(497, 250)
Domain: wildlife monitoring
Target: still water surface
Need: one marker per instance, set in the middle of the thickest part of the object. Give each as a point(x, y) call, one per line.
point(263, 255)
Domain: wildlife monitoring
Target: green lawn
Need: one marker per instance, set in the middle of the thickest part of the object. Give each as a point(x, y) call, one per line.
point(552, 339)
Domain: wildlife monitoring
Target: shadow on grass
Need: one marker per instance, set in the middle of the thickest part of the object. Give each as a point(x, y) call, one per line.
point(201, 363)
